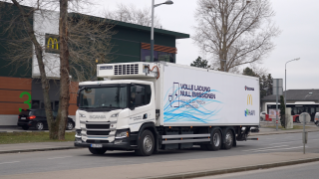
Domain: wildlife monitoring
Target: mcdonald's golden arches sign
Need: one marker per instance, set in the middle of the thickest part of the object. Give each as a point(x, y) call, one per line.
point(249, 99)
point(51, 43)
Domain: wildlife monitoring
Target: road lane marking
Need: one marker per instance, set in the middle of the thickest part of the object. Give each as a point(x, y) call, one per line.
point(266, 148)
point(59, 157)
point(276, 149)
point(291, 141)
point(9, 162)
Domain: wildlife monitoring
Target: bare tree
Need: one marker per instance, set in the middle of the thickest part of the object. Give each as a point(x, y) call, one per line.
point(89, 40)
point(78, 52)
point(235, 32)
point(38, 49)
point(130, 14)
point(64, 69)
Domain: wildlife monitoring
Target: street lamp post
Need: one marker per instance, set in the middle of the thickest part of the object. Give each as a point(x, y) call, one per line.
point(296, 59)
point(168, 2)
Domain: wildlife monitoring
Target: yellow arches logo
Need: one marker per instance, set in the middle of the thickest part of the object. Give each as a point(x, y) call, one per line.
point(249, 99)
point(53, 41)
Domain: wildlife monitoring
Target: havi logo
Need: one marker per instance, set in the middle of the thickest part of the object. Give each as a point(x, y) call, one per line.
point(249, 112)
point(249, 88)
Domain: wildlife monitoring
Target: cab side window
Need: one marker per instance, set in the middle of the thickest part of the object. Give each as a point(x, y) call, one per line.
point(142, 94)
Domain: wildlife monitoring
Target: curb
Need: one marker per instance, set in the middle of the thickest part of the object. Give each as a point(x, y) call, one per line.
point(39, 149)
point(68, 131)
point(286, 132)
point(233, 170)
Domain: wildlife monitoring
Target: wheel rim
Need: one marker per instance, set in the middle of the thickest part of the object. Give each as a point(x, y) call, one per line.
point(70, 126)
point(216, 139)
point(229, 138)
point(148, 143)
point(39, 126)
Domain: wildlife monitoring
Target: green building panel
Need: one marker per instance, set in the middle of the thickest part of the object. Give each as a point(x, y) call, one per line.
point(126, 42)
point(21, 68)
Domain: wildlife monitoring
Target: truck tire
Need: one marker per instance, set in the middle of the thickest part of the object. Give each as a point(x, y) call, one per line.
point(146, 144)
point(96, 151)
point(228, 139)
point(216, 141)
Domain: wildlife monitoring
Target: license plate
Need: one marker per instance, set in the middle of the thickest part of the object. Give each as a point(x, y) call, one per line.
point(96, 145)
point(23, 118)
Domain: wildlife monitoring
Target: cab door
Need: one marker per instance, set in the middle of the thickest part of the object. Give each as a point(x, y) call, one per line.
point(143, 103)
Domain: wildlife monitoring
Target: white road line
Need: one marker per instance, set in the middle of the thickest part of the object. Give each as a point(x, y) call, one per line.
point(277, 149)
point(266, 148)
point(9, 162)
point(59, 157)
point(291, 141)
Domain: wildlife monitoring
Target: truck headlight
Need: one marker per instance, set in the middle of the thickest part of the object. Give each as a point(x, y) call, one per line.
point(82, 115)
point(122, 134)
point(115, 115)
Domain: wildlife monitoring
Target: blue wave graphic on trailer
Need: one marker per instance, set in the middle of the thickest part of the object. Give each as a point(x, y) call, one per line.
point(187, 111)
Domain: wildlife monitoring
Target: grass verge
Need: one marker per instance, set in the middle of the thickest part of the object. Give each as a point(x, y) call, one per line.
point(30, 137)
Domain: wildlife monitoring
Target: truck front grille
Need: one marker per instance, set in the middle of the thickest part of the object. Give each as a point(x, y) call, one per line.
point(97, 132)
point(126, 69)
point(97, 126)
point(97, 141)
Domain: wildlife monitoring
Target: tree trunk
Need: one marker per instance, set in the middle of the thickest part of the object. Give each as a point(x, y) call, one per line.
point(44, 80)
point(64, 70)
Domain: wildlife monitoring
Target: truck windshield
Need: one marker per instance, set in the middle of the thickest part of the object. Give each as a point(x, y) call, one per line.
point(103, 98)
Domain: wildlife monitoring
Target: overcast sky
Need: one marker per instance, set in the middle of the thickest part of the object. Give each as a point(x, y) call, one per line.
point(298, 20)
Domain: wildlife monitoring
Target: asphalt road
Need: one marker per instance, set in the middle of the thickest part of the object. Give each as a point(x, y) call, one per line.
point(302, 171)
point(30, 162)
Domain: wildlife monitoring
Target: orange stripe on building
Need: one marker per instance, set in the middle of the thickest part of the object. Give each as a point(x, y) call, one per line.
point(159, 48)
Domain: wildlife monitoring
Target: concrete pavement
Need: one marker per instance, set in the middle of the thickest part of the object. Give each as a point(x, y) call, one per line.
point(248, 155)
point(179, 169)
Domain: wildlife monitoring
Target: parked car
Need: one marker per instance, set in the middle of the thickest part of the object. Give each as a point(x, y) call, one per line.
point(316, 121)
point(36, 118)
point(262, 116)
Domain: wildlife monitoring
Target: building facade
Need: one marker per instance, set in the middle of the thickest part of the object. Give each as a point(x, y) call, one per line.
point(20, 86)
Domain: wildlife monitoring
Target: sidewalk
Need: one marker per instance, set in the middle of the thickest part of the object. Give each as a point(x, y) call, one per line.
point(180, 169)
point(30, 147)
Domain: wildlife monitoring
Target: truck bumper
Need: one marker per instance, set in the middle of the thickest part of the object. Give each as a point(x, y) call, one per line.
point(122, 144)
point(113, 146)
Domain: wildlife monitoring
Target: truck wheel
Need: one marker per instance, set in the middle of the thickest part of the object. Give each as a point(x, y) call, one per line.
point(216, 141)
point(228, 140)
point(95, 151)
point(146, 144)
